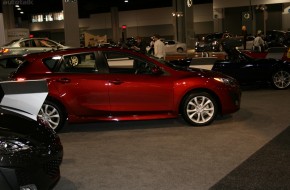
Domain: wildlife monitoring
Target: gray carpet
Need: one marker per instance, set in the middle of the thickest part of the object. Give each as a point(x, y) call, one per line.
point(267, 169)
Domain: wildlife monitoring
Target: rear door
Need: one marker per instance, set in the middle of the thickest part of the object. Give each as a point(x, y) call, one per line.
point(81, 86)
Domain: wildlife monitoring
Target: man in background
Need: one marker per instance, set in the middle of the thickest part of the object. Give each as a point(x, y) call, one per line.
point(159, 47)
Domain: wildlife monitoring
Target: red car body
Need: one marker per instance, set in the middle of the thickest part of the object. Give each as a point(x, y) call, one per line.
point(118, 92)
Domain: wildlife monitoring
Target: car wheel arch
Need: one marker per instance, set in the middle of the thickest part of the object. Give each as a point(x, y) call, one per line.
point(200, 90)
point(62, 109)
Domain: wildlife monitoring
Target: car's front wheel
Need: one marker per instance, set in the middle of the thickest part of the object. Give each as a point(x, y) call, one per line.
point(199, 109)
point(52, 114)
point(281, 79)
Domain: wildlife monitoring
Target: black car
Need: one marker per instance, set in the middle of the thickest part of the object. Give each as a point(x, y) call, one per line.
point(212, 42)
point(30, 151)
point(277, 38)
point(248, 70)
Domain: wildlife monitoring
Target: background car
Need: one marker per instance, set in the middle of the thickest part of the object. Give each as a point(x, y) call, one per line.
point(30, 151)
point(29, 45)
point(248, 70)
point(172, 46)
point(115, 84)
point(276, 38)
point(212, 42)
point(249, 43)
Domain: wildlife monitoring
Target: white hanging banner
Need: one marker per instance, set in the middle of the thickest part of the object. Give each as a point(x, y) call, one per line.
point(24, 97)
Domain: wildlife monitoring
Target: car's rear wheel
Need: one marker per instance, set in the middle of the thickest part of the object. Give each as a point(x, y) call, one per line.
point(281, 79)
point(52, 114)
point(199, 109)
point(179, 50)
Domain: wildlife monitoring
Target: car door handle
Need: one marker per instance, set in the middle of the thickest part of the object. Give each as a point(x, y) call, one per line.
point(63, 80)
point(116, 82)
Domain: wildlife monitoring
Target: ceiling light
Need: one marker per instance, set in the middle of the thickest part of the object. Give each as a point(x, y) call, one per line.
point(126, 1)
point(22, 12)
point(16, 5)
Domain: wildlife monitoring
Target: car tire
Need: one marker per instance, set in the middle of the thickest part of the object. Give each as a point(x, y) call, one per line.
point(199, 109)
point(53, 115)
point(179, 50)
point(281, 79)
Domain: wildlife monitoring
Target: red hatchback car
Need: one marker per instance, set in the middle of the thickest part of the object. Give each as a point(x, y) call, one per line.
point(114, 84)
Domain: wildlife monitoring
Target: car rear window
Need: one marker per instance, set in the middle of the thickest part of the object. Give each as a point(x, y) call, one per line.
point(80, 63)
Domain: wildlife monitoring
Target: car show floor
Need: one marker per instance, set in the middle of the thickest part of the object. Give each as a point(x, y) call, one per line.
point(246, 150)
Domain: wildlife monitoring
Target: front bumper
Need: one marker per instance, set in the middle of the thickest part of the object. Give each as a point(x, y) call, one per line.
point(36, 171)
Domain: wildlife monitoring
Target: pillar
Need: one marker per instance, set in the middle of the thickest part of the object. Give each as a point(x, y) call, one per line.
point(180, 20)
point(218, 16)
point(2, 31)
point(189, 24)
point(115, 24)
point(71, 23)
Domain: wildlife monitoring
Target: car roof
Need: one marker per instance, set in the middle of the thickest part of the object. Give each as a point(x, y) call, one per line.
point(68, 51)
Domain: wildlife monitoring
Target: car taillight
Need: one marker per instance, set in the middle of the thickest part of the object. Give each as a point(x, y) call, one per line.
point(20, 79)
point(4, 50)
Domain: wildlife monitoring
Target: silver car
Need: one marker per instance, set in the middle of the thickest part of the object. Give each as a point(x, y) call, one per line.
point(174, 46)
point(29, 45)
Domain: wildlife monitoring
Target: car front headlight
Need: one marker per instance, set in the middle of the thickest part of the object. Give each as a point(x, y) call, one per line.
point(13, 145)
point(227, 81)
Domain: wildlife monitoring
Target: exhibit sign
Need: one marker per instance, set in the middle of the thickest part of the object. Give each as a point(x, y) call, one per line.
point(16, 33)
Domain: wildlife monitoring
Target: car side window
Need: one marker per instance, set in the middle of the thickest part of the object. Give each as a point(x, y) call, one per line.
point(47, 43)
point(78, 63)
point(52, 62)
point(126, 64)
point(26, 43)
point(10, 62)
point(171, 42)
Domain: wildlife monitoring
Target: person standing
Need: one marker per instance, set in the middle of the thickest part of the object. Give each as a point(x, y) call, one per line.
point(140, 45)
point(258, 43)
point(244, 34)
point(159, 47)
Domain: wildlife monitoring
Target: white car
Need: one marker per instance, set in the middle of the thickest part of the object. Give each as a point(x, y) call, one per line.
point(172, 46)
point(29, 45)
